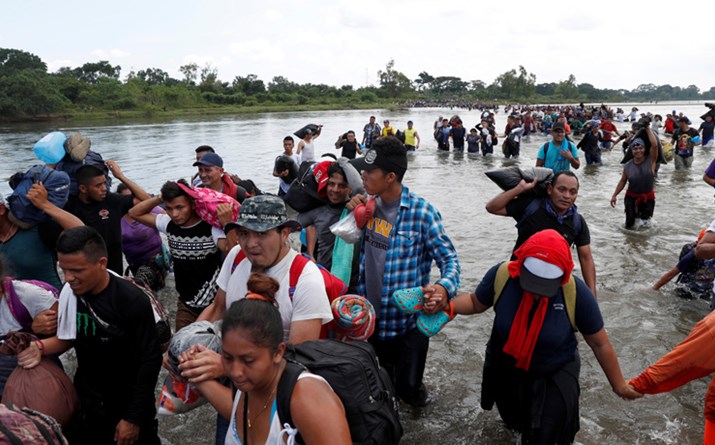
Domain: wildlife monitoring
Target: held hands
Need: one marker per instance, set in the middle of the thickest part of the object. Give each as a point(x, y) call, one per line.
point(199, 364)
point(435, 299)
point(126, 433)
point(627, 392)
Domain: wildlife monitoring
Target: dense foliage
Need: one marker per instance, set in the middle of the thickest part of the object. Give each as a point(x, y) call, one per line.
point(27, 89)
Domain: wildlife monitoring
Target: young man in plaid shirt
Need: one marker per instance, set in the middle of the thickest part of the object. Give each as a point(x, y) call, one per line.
point(400, 242)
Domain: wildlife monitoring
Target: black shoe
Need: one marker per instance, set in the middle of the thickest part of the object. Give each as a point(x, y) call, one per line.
point(419, 399)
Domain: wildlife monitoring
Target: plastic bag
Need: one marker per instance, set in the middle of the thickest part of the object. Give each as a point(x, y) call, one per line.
point(178, 397)
point(347, 229)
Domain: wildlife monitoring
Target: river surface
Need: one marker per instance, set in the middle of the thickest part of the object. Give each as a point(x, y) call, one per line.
point(642, 324)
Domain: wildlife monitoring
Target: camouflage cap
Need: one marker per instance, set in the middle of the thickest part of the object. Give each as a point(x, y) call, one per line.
point(262, 213)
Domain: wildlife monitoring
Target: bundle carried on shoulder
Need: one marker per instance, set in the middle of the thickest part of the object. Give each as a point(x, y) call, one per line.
point(45, 388)
point(643, 135)
point(57, 184)
point(78, 154)
point(308, 129)
point(207, 201)
point(179, 397)
point(509, 177)
point(353, 371)
point(28, 427)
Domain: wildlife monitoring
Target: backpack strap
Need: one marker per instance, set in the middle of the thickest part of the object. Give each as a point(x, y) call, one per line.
point(546, 146)
point(530, 209)
point(240, 256)
point(17, 309)
point(568, 289)
point(296, 268)
point(286, 384)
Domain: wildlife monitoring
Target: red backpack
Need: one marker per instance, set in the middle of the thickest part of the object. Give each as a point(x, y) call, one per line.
point(334, 286)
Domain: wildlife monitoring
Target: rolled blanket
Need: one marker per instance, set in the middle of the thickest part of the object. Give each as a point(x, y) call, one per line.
point(354, 318)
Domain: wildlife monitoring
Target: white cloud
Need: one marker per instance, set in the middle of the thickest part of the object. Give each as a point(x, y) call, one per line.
point(54, 65)
point(111, 54)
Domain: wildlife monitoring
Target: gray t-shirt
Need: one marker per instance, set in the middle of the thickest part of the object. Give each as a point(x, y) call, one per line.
point(322, 218)
point(640, 176)
point(34, 298)
point(377, 240)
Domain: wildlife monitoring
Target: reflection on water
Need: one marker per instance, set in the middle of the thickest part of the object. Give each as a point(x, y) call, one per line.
point(642, 324)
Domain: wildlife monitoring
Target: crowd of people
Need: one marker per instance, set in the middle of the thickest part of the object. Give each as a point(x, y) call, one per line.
point(236, 262)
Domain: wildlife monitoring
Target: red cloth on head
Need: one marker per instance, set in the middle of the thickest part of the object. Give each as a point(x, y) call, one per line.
point(550, 246)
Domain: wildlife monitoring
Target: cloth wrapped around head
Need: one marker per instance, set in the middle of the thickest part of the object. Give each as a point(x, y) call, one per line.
point(354, 318)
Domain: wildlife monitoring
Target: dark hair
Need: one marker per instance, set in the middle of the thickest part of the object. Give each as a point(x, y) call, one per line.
point(86, 173)
point(170, 190)
point(329, 155)
point(350, 132)
point(82, 239)
point(391, 148)
point(565, 173)
point(250, 187)
point(121, 187)
point(336, 168)
point(289, 138)
point(203, 148)
point(260, 319)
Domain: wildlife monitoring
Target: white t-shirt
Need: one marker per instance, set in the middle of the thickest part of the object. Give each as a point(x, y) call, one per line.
point(309, 300)
point(34, 298)
point(308, 151)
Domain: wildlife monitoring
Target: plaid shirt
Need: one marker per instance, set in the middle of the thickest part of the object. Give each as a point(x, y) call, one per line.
point(417, 239)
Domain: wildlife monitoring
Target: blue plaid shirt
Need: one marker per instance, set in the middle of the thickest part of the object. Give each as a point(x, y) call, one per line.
point(417, 239)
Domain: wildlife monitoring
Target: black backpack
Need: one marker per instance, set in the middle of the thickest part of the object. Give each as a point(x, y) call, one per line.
point(353, 371)
point(302, 194)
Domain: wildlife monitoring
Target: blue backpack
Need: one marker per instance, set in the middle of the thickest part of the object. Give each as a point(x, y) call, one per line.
point(57, 184)
point(70, 167)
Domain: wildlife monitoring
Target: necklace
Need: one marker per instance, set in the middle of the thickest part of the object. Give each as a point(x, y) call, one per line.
point(10, 232)
point(248, 414)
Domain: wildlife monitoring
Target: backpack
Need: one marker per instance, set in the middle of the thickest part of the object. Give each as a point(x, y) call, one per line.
point(334, 286)
point(568, 289)
point(353, 371)
point(207, 201)
point(534, 206)
point(23, 426)
point(17, 309)
point(70, 167)
point(308, 191)
point(57, 184)
point(161, 316)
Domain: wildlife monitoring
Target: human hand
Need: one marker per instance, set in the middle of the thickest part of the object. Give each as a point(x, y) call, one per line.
point(613, 201)
point(166, 365)
point(126, 433)
point(30, 357)
point(355, 201)
point(114, 168)
point(203, 365)
point(37, 195)
point(566, 154)
point(525, 186)
point(234, 177)
point(627, 392)
point(224, 213)
point(435, 299)
point(45, 323)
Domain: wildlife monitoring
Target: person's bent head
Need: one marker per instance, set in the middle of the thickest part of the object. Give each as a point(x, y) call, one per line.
point(178, 204)
point(82, 256)
point(262, 229)
point(383, 166)
point(252, 336)
point(563, 191)
point(92, 183)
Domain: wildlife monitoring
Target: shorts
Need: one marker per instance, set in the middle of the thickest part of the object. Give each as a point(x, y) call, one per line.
point(184, 316)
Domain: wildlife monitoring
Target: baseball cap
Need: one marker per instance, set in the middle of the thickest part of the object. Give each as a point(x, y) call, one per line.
point(558, 126)
point(540, 277)
point(262, 213)
point(376, 158)
point(210, 159)
point(683, 119)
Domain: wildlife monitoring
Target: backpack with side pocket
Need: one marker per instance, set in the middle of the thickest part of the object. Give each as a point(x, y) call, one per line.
point(355, 375)
point(334, 286)
point(70, 166)
point(17, 309)
point(56, 183)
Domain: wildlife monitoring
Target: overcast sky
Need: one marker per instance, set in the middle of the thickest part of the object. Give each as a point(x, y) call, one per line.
point(345, 42)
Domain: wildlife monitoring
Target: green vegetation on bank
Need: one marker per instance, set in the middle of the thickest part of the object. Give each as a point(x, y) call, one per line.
point(29, 91)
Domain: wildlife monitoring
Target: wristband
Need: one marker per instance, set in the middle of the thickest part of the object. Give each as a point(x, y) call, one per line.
point(40, 346)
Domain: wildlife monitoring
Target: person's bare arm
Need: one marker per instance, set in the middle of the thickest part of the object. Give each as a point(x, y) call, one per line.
point(497, 205)
point(45, 323)
point(606, 356)
point(216, 309)
point(138, 192)
point(38, 197)
point(467, 304)
point(619, 188)
point(539, 162)
point(219, 396)
point(669, 275)
point(311, 239)
point(142, 211)
point(304, 330)
point(588, 267)
point(319, 414)
point(706, 247)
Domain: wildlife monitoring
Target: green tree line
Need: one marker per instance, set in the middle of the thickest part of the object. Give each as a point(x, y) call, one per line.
point(27, 89)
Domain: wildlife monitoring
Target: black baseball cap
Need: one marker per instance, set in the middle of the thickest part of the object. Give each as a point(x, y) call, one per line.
point(376, 158)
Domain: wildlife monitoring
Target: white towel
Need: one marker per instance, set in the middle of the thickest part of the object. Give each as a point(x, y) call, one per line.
point(67, 317)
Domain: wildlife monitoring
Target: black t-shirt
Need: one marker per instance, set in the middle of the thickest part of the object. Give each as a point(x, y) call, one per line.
point(119, 364)
point(708, 129)
point(106, 218)
point(197, 262)
point(458, 136)
point(349, 149)
point(541, 219)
